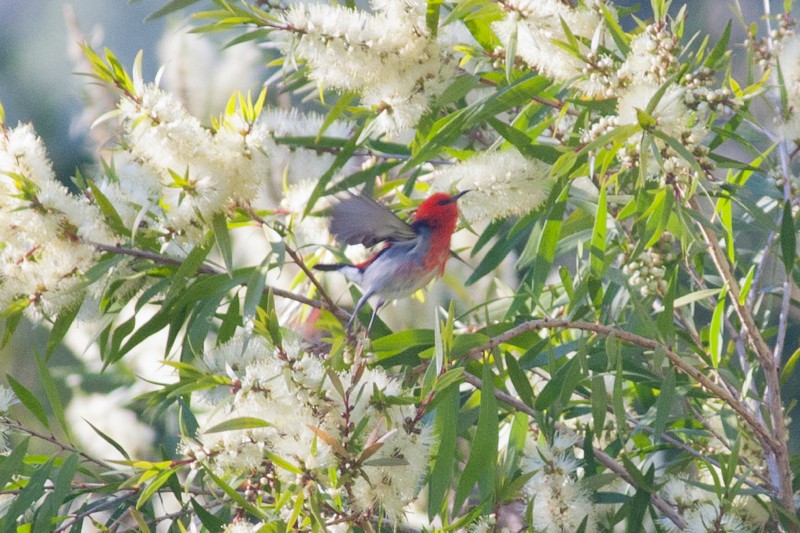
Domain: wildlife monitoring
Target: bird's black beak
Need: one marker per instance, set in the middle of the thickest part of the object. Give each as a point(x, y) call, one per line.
point(455, 197)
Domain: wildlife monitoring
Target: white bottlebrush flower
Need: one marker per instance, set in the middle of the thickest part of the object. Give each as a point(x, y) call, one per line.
point(501, 184)
point(386, 55)
point(46, 232)
point(537, 26)
point(672, 115)
point(787, 57)
point(652, 56)
point(560, 502)
point(7, 399)
point(305, 411)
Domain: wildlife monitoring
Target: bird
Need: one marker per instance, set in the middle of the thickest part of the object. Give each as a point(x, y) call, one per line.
point(412, 256)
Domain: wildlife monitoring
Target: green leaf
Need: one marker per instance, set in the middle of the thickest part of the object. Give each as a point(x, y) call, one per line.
point(692, 297)
point(171, 7)
point(482, 463)
point(403, 339)
point(541, 248)
point(664, 404)
point(597, 251)
point(520, 381)
point(60, 328)
point(446, 130)
point(62, 487)
point(209, 521)
point(446, 423)
point(27, 496)
point(561, 385)
point(242, 422)
point(117, 446)
point(715, 330)
point(599, 402)
point(53, 398)
point(788, 238)
point(255, 290)
point(11, 464)
point(154, 485)
point(29, 400)
point(788, 368)
point(219, 224)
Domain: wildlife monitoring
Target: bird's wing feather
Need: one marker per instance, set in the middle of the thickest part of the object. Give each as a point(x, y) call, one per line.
point(362, 220)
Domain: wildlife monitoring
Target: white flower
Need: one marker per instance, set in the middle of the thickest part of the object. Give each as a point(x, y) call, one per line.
point(501, 184)
point(538, 27)
point(386, 55)
point(787, 58)
point(672, 115)
point(7, 399)
point(44, 230)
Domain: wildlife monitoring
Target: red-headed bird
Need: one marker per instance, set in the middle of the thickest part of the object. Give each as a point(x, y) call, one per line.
point(413, 255)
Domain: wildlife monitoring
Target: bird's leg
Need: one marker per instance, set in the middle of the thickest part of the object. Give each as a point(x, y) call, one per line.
point(378, 305)
point(361, 301)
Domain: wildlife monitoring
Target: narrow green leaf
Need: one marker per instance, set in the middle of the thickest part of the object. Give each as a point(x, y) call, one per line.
point(446, 423)
point(29, 400)
point(599, 402)
point(482, 463)
point(219, 224)
point(788, 368)
point(62, 487)
point(170, 7)
point(242, 422)
point(715, 330)
point(209, 521)
point(27, 496)
point(692, 297)
point(154, 486)
point(255, 290)
point(664, 404)
point(53, 398)
point(560, 386)
point(597, 251)
point(60, 328)
point(11, 464)
point(520, 381)
point(117, 446)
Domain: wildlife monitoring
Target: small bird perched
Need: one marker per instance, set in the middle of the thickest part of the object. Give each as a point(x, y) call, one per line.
point(413, 255)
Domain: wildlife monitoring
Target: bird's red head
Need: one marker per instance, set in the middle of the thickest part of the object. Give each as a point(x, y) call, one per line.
point(439, 211)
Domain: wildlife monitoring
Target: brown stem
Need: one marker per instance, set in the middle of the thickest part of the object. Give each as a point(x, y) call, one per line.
point(716, 389)
point(209, 270)
point(778, 443)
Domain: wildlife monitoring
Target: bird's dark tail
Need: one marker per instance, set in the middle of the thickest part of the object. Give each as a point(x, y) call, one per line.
point(330, 268)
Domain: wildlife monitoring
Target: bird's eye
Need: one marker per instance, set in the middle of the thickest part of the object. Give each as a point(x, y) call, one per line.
point(443, 202)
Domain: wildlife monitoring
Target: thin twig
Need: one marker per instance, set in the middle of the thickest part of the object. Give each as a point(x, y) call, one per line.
point(210, 270)
point(778, 438)
point(607, 331)
point(13, 424)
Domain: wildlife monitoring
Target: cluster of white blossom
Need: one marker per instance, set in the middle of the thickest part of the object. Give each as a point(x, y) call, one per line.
point(501, 184)
point(387, 55)
point(560, 502)
point(46, 233)
point(536, 30)
point(200, 173)
point(343, 431)
point(7, 400)
point(787, 59)
point(703, 511)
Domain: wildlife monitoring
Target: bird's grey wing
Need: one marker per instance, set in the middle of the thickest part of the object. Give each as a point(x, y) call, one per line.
point(358, 219)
